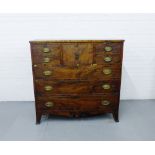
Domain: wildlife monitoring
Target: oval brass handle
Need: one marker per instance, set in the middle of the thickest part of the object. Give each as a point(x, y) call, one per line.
point(94, 65)
point(107, 59)
point(46, 60)
point(47, 73)
point(48, 88)
point(106, 86)
point(105, 102)
point(46, 50)
point(49, 104)
point(107, 71)
point(108, 48)
point(35, 65)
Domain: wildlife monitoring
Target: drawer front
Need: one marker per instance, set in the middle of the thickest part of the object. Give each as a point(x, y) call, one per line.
point(99, 72)
point(49, 53)
point(75, 87)
point(107, 59)
point(108, 47)
point(78, 103)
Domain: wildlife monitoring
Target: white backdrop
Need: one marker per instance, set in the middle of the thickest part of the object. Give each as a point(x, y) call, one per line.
point(138, 30)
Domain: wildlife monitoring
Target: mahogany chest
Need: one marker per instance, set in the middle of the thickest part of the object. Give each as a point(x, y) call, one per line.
point(76, 77)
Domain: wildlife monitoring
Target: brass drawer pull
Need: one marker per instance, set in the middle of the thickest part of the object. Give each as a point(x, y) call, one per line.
point(105, 102)
point(47, 73)
point(94, 65)
point(46, 60)
point(46, 50)
point(49, 104)
point(77, 65)
point(108, 48)
point(107, 71)
point(34, 65)
point(106, 86)
point(107, 59)
point(48, 88)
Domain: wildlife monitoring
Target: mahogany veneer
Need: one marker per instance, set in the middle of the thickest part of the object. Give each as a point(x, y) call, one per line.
point(76, 78)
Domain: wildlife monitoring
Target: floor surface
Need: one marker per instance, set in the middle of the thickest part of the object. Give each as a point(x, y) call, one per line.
point(137, 122)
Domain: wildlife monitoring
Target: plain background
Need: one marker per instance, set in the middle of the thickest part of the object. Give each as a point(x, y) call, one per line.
point(16, 30)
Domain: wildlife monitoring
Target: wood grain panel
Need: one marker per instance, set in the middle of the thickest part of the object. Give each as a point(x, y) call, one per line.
point(77, 53)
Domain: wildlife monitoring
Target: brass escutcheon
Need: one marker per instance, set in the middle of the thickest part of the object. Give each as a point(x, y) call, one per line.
point(105, 102)
point(49, 104)
point(47, 73)
point(34, 65)
point(46, 60)
point(46, 50)
point(107, 71)
point(106, 86)
point(94, 65)
point(48, 88)
point(108, 48)
point(107, 59)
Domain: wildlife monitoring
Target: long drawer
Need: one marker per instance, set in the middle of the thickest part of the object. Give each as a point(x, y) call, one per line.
point(104, 58)
point(75, 87)
point(84, 103)
point(92, 72)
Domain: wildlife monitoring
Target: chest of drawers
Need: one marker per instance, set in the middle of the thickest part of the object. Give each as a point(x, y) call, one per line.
point(76, 77)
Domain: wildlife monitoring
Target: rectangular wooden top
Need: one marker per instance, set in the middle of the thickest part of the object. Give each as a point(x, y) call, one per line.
point(74, 41)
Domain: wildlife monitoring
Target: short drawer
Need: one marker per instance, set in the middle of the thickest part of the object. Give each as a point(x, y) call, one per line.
point(91, 72)
point(75, 87)
point(78, 102)
point(106, 59)
point(108, 47)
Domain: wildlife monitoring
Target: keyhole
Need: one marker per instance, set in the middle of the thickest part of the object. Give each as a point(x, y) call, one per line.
point(77, 56)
